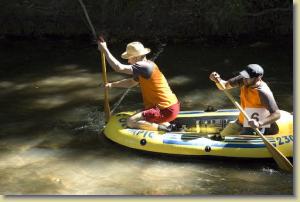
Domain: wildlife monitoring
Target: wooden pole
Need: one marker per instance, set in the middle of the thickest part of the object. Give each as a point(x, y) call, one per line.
point(104, 79)
point(103, 62)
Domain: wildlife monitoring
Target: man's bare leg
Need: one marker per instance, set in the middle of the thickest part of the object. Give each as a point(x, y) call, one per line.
point(137, 121)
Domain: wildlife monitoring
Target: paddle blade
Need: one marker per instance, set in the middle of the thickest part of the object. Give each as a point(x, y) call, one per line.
point(282, 162)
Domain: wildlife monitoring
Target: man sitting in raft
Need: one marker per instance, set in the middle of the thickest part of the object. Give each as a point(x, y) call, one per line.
point(257, 100)
point(161, 104)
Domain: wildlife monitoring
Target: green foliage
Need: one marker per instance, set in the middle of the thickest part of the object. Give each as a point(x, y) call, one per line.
point(124, 19)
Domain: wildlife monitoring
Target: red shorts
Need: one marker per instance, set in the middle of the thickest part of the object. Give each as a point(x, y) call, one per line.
point(156, 115)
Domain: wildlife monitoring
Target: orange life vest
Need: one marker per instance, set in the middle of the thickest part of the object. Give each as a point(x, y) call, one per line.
point(156, 90)
point(249, 99)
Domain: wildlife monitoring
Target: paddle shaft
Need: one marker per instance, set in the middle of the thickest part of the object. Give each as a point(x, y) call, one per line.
point(282, 162)
point(104, 79)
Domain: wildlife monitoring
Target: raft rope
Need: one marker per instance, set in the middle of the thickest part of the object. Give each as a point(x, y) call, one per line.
point(116, 105)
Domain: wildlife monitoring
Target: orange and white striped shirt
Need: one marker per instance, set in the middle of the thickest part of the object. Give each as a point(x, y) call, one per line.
point(154, 86)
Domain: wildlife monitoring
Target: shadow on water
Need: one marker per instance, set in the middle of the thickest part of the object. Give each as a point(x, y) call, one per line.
point(51, 119)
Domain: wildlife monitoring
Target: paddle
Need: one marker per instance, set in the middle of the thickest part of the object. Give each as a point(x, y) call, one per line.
point(104, 79)
point(282, 162)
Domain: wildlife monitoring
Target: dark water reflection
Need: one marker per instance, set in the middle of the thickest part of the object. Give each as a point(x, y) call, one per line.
point(51, 115)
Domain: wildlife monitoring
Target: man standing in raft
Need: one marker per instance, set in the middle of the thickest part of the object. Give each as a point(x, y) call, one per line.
point(257, 100)
point(161, 104)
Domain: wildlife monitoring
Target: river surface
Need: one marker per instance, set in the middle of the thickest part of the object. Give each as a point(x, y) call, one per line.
point(51, 117)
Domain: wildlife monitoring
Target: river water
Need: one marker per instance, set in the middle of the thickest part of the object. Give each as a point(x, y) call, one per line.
point(51, 117)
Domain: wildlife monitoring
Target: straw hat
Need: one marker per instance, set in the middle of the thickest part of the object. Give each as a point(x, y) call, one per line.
point(135, 49)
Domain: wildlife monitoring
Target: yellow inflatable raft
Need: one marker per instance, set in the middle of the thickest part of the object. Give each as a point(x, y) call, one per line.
point(196, 139)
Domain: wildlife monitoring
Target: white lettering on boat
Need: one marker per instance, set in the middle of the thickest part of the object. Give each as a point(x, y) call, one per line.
point(143, 133)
